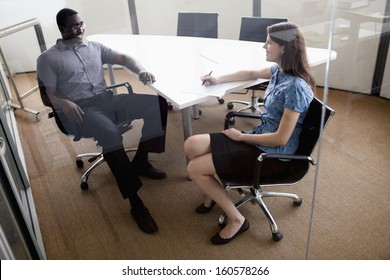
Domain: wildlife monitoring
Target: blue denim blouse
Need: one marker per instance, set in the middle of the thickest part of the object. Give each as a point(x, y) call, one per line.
point(284, 91)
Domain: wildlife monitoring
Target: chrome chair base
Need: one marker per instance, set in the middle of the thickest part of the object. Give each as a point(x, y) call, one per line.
point(254, 105)
point(255, 196)
point(97, 159)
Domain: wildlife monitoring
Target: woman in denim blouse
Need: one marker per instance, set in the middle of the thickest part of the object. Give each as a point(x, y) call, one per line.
point(231, 151)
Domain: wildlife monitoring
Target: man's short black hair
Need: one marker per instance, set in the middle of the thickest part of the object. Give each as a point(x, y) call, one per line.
point(63, 15)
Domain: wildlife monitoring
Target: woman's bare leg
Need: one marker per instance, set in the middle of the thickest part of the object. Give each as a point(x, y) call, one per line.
point(201, 170)
point(195, 146)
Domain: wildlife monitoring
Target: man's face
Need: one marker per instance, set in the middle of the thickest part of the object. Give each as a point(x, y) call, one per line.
point(74, 29)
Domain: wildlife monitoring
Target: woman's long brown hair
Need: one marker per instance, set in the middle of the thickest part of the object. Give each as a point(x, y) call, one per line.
point(294, 59)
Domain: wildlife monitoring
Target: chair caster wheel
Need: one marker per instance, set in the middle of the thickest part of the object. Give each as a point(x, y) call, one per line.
point(221, 100)
point(229, 106)
point(298, 203)
point(222, 225)
point(277, 236)
point(222, 221)
point(79, 163)
point(232, 121)
point(84, 186)
point(198, 116)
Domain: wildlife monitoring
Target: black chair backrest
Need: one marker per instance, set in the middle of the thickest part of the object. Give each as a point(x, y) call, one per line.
point(295, 170)
point(197, 24)
point(289, 172)
point(255, 28)
point(42, 90)
point(46, 101)
point(311, 127)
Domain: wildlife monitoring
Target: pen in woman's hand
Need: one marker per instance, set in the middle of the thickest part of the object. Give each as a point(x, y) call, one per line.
point(207, 75)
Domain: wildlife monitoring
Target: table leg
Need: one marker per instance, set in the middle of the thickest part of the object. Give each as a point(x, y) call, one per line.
point(187, 128)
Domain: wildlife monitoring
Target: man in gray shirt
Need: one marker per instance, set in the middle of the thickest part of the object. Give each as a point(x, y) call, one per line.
point(72, 74)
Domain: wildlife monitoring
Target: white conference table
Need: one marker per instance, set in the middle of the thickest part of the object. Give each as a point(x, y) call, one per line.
point(179, 62)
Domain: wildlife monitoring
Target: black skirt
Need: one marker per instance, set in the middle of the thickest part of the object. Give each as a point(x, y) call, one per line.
point(236, 161)
point(232, 158)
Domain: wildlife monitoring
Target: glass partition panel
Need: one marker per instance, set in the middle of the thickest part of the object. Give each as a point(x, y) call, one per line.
point(345, 207)
point(357, 135)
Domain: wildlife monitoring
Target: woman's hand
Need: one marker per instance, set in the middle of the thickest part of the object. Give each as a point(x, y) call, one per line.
point(208, 80)
point(233, 134)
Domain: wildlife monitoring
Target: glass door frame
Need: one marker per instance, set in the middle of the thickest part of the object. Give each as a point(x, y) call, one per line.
point(15, 183)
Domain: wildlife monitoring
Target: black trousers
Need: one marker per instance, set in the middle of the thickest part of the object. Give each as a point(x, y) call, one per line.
point(103, 116)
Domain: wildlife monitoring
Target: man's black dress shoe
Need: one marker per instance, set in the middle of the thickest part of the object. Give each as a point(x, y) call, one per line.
point(144, 220)
point(201, 209)
point(146, 169)
point(218, 240)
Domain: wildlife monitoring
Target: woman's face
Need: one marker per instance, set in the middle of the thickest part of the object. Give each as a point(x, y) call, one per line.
point(273, 51)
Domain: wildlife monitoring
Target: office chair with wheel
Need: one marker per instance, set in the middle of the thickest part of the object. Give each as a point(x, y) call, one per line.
point(293, 167)
point(96, 158)
point(197, 24)
point(254, 29)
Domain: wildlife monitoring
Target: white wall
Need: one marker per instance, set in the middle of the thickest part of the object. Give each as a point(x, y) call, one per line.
point(154, 17)
point(21, 49)
point(352, 70)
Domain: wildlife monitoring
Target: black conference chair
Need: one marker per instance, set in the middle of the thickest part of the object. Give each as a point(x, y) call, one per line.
point(291, 168)
point(198, 24)
point(254, 29)
point(96, 158)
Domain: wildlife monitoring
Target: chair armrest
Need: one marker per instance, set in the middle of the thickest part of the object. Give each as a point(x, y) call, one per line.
point(284, 156)
point(125, 84)
point(233, 114)
point(262, 86)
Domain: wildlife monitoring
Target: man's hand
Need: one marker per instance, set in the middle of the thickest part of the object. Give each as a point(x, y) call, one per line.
point(146, 77)
point(72, 111)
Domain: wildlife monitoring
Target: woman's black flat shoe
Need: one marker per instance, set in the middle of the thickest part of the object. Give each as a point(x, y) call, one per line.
point(201, 209)
point(218, 240)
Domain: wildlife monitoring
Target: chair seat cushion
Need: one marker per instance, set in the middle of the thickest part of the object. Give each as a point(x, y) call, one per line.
point(288, 172)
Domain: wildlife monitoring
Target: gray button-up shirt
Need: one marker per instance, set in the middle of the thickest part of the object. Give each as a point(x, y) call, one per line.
point(77, 73)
